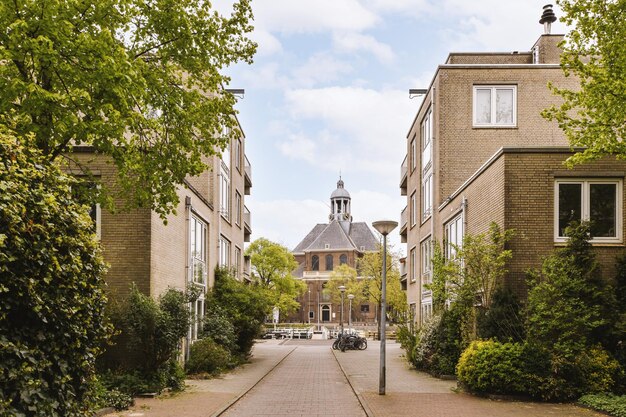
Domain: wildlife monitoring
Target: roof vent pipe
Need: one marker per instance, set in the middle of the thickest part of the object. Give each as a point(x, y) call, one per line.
point(547, 18)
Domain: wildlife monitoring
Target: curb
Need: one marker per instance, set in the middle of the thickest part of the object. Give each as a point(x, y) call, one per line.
point(359, 397)
point(230, 403)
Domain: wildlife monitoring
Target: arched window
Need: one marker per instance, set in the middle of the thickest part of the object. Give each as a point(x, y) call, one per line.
point(329, 262)
point(315, 263)
point(343, 259)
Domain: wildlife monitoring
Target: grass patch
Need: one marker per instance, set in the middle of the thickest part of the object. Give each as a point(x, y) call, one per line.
point(614, 405)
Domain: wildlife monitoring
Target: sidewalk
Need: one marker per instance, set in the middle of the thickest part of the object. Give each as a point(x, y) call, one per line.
point(412, 393)
point(204, 398)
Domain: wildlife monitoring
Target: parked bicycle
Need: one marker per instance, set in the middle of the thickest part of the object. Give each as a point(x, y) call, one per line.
point(349, 341)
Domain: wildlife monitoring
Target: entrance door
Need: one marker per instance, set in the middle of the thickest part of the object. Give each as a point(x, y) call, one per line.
point(325, 313)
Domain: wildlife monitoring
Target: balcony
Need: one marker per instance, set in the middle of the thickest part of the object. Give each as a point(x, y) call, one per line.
point(247, 177)
point(247, 224)
point(403, 273)
point(404, 216)
point(403, 175)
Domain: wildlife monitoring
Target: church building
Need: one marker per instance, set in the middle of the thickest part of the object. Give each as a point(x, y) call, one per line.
point(325, 247)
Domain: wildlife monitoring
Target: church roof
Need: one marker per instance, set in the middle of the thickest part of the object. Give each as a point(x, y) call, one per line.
point(333, 235)
point(340, 191)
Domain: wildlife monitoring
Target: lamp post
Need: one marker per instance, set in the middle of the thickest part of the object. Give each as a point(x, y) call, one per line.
point(350, 297)
point(342, 289)
point(309, 306)
point(384, 227)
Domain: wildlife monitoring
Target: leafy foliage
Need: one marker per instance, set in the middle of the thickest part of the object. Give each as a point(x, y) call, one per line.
point(148, 342)
point(137, 81)
point(52, 300)
point(217, 326)
point(613, 405)
point(504, 320)
point(272, 266)
point(206, 356)
point(494, 367)
point(244, 305)
point(593, 116)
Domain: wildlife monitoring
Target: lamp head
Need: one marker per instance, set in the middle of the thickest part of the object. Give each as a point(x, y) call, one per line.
point(342, 288)
point(384, 227)
point(350, 296)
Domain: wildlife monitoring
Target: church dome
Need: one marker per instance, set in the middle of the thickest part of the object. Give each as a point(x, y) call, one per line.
point(340, 192)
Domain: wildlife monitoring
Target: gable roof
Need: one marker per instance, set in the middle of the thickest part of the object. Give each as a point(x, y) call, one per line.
point(333, 234)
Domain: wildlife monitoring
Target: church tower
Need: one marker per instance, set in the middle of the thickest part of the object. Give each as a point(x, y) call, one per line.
point(340, 204)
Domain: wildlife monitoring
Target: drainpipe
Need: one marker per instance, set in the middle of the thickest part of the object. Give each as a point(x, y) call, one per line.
point(187, 268)
point(433, 200)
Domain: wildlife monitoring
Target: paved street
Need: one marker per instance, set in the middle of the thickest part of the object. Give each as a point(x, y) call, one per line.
point(307, 378)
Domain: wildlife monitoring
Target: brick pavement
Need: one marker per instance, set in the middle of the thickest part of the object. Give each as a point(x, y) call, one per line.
point(204, 398)
point(412, 393)
point(307, 383)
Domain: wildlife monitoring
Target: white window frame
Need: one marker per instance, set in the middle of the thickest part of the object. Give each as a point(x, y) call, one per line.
point(238, 207)
point(426, 260)
point(414, 153)
point(225, 194)
point(199, 256)
point(413, 208)
point(224, 252)
point(427, 135)
point(494, 89)
point(238, 261)
point(413, 264)
point(585, 209)
point(238, 154)
point(452, 236)
point(426, 310)
point(427, 196)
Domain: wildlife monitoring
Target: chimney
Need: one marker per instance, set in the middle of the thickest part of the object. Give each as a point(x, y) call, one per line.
point(547, 18)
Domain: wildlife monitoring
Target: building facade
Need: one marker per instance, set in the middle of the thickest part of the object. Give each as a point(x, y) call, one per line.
point(479, 151)
point(208, 229)
point(325, 247)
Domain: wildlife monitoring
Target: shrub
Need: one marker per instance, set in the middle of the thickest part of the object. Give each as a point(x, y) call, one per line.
point(504, 320)
point(244, 305)
point(206, 356)
point(217, 326)
point(614, 405)
point(493, 367)
point(148, 343)
point(52, 302)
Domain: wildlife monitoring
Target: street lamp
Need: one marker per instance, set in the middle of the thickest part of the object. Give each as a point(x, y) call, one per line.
point(342, 288)
point(350, 297)
point(384, 227)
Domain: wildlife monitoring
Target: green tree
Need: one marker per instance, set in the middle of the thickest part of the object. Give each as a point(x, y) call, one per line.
point(369, 284)
point(137, 80)
point(273, 265)
point(595, 53)
point(52, 300)
point(347, 276)
point(244, 305)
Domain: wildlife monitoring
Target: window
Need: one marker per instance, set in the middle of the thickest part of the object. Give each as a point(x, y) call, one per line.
point(315, 263)
point(427, 310)
point(365, 308)
point(226, 157)
point(495, 105)
point(96, 218)
point(237, 208)
point(237, 261)
point(427, 134)
point(413, 266)
point(329, 262)
point(453, 236)
point(596, 200)
point(427, 196)
point(413, 209)
point(427, 260)
point(224, 252)
point(225, 194)
point(343, 259)
point(413, 154)
point(238, 154)
point(197, 315)
point(197, 240)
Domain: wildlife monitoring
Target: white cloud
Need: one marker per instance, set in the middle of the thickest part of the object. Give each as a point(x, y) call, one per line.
point(369, 126)
point(319, 68)
point(415, 8)
point(286, 221)
point(356, 42)
point(317, 16)
point(267, 43)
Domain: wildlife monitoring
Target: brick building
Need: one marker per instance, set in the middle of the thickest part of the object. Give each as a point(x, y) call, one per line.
point(326, 246)
point(478, 151)
point(209, 228)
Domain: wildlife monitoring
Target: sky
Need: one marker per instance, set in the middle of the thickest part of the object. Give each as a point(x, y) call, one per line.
point(328, 94)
